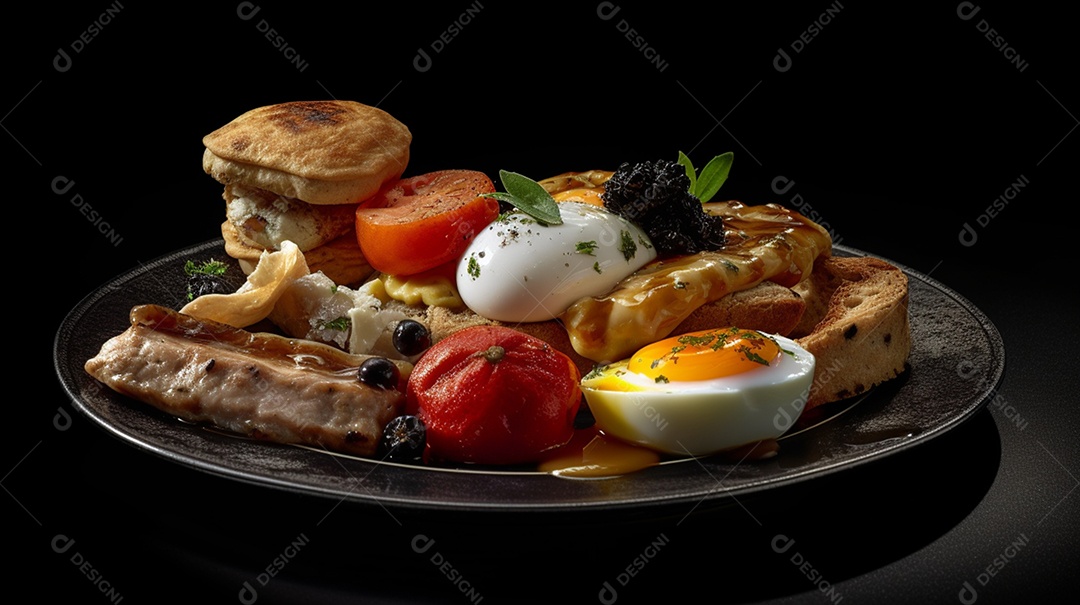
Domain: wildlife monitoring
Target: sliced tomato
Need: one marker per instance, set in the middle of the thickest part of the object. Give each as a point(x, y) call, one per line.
point(421, 222)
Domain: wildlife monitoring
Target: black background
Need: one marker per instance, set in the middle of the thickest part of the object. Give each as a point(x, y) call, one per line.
point(902, 127)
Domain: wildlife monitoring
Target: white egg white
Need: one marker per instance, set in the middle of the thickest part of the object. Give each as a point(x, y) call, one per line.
point(703, 417)
point(518, 270)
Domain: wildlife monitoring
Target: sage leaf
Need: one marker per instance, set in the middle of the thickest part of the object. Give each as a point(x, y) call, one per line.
point(712, 176)
point(529, 197)
point(691, 172)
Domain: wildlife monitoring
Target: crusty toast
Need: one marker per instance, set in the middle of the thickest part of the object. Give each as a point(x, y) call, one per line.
point(768, 307)
point(851, 313)
point(340, 259)
point(856, 325)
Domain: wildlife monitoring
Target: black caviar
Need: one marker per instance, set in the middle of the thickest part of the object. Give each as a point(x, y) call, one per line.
point(656, 197)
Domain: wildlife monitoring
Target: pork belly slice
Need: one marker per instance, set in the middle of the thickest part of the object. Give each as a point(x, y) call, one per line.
point(257, 384)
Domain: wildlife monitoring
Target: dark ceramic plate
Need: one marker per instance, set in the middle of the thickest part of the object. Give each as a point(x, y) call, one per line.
point(957, 361)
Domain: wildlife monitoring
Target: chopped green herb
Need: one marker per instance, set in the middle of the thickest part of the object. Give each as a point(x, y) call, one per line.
point(716, 340)
point(586, 248)
point(474, 267)
point(205, 278)
point(595, 372)
point(752, 356)
point(596, 267)
point(210, 267)
point(340, 324)
point(627, 245)
point(697, 340)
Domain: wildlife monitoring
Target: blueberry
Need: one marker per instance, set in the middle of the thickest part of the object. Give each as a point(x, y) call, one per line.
point(411, 337)
point(379, 372)
point(403, 440)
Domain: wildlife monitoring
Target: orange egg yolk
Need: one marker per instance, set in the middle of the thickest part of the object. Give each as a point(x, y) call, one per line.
point(704, 355)
point(585, 195)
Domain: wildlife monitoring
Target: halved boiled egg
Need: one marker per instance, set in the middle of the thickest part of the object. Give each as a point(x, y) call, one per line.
point(702, 392)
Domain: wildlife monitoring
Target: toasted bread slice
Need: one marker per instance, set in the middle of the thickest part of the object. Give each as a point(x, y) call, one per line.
point(340, 259)
point(856, 325)
point(768, 307)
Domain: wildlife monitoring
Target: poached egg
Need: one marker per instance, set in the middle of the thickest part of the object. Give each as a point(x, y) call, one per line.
point(520, 270)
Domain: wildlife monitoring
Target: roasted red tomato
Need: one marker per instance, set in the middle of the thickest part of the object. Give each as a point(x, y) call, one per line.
point(424, 221)
point(493, 395)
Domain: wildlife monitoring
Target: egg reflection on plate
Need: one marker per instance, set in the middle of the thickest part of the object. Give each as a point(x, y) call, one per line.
point(702, 392)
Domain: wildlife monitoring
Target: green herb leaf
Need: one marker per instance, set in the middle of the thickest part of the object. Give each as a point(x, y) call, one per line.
point(627, 245)
point(210, 267)
point(340, 324)
point(712, 176)
point(502, 196)
point(704, 186)
point(752, 356)
point(473, 267)
point(691, 172)
point(588, 247)
point(529, 197)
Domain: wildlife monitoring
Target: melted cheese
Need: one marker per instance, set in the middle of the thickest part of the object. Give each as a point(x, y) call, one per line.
point(767, 242)
point(254, 300)
point(434, 288)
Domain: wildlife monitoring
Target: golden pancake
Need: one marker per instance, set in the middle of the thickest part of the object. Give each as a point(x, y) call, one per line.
point(321, 152)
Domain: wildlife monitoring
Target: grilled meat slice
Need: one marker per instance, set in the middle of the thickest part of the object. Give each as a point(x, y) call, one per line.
point(256, 384)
